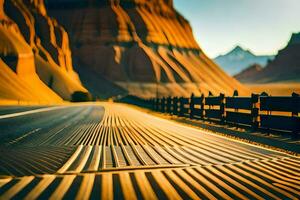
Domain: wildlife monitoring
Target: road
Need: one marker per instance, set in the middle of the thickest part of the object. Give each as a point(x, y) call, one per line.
point(114, 151)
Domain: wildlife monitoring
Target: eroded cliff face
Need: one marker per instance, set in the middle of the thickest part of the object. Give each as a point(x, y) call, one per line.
point(35, 59)
point(144, 46)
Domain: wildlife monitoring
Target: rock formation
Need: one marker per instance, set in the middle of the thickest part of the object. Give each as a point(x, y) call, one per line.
point(145, 47)
point(35, 58)
point(284, 68)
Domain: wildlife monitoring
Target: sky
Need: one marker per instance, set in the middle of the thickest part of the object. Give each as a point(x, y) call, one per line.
point(263, 26)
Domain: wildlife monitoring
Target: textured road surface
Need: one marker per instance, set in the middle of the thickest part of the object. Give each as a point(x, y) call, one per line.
point(113, 151)
point(13, 109)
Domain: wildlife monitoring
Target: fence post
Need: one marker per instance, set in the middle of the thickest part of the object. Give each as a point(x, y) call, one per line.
point(222, 107)
point(296, 128)
point(148, 103)
point(181, 106)
point(158, 105)
point(175, 106)
point(153, 104)
point(192, 106)
point(163, 105)
point(169, 105)
point(202, 104)
point(254, 111)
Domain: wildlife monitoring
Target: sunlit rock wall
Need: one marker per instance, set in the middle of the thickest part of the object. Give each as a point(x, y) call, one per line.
point(145, 46)
point(34, 53)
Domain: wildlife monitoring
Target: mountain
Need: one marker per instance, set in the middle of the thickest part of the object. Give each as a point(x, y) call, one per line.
point(143, 47)
point(246, 74)
point(239, 59)
point(284, 68)
point(35, 58)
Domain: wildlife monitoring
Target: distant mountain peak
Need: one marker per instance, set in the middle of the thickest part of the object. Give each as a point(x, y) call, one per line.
point(237, 49)
point(240, 58)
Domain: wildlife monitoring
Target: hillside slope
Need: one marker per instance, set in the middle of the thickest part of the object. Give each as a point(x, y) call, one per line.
point(248, 73)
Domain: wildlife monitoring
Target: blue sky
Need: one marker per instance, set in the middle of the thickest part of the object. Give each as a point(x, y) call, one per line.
point(263, 26)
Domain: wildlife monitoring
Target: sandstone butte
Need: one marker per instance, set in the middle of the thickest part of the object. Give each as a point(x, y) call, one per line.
point(143, 46)
point(35, 62)
point(137, 46)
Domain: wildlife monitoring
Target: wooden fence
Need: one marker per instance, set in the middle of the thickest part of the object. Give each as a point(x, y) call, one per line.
point(257, 112)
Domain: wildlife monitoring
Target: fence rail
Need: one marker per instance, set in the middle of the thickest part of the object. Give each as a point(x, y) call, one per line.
point(257, 112)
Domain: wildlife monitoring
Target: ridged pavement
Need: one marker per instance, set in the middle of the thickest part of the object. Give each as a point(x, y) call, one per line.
point(113, 151)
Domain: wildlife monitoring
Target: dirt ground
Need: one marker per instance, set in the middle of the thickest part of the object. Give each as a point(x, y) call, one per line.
point(275, 89)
